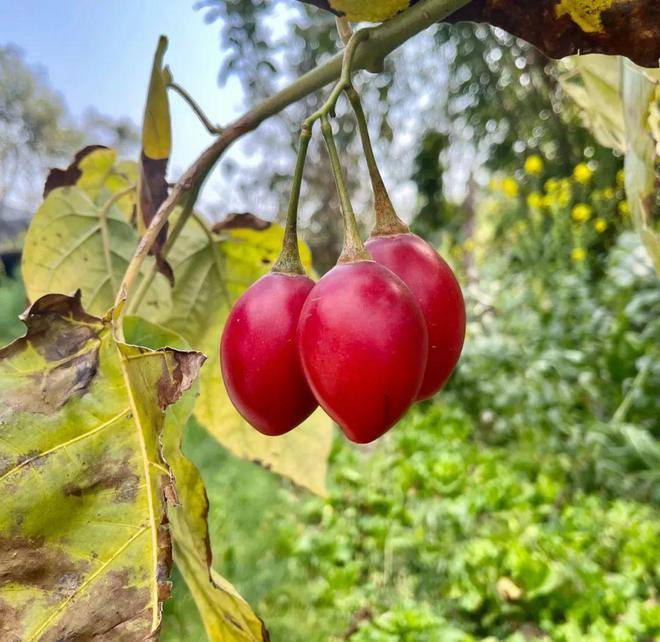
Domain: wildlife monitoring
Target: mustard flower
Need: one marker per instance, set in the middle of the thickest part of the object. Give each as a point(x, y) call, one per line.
point(535, 200)
point(582, 173)
point(533, 165)
point(578, 254)
point(581, 212)
point(600, 224)
point(510, 187)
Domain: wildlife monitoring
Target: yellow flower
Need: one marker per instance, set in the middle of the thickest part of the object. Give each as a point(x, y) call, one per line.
point(535, 200)
point(600, 224)
point(468, 246)
point(510, 187)
point(581, 212)
point(582, 173)
point(608, 193)
point(620, 178)
point(564, 192)
point(534, 165)
point(551, 185)
point(494, 184)
point(578, 254)
point(624, 208)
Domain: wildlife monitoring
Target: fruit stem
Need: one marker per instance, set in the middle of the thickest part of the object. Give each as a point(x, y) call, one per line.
point(344, 81)
point(289, 260)
point(387, 220)
point(353, 249)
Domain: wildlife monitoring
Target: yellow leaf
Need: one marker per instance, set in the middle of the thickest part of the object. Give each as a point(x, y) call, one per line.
point(102, 177)
point(157, 128)
point(371, 10)
point(225, 614)
point(638, 93)
point(82, 477)
point(72, 243)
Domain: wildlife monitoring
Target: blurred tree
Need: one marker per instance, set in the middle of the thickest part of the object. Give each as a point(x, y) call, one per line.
point(37, 131)
point(35, 128)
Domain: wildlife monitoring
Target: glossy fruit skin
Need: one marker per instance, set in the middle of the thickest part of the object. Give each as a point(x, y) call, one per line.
point(363, 345)
point(439, 296)
point(259, 356)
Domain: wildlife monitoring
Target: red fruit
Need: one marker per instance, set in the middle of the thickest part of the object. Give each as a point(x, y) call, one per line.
point(363, 346)
point(259, 357)
point(439, 296)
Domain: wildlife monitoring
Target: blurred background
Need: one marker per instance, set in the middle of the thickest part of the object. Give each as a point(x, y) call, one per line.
point(522, 502)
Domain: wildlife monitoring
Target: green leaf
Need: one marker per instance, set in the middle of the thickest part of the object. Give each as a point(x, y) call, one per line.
point(65, 250)
point(85, 547)
point(211, 273)
point(72, 243)
point(225, 614)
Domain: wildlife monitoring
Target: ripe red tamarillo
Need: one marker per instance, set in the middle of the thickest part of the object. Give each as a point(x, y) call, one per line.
point(439, 295)
point(259, 357)
point(363, 346)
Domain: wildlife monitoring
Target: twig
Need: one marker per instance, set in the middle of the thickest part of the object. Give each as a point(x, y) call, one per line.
point(194, 105)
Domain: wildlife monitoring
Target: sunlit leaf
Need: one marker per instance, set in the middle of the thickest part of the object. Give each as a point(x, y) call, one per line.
point(225, 614)
point(85, 547)
point(72, 243)
point(157, 128)
point(103, 176)
point(301, 455)
point(593, 83)
point(66, 177)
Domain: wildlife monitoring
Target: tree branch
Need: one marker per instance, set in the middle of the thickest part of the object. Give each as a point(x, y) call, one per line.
point(369, 55)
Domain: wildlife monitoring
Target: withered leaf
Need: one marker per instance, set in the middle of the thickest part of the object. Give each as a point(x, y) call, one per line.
point(225, 614)
point(69, 176)
point(85, 551)
point(565, 27)
point(156, 149)
point(237, 220)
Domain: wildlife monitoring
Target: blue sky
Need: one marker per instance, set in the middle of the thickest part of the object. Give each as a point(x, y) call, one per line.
point(98, 53)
